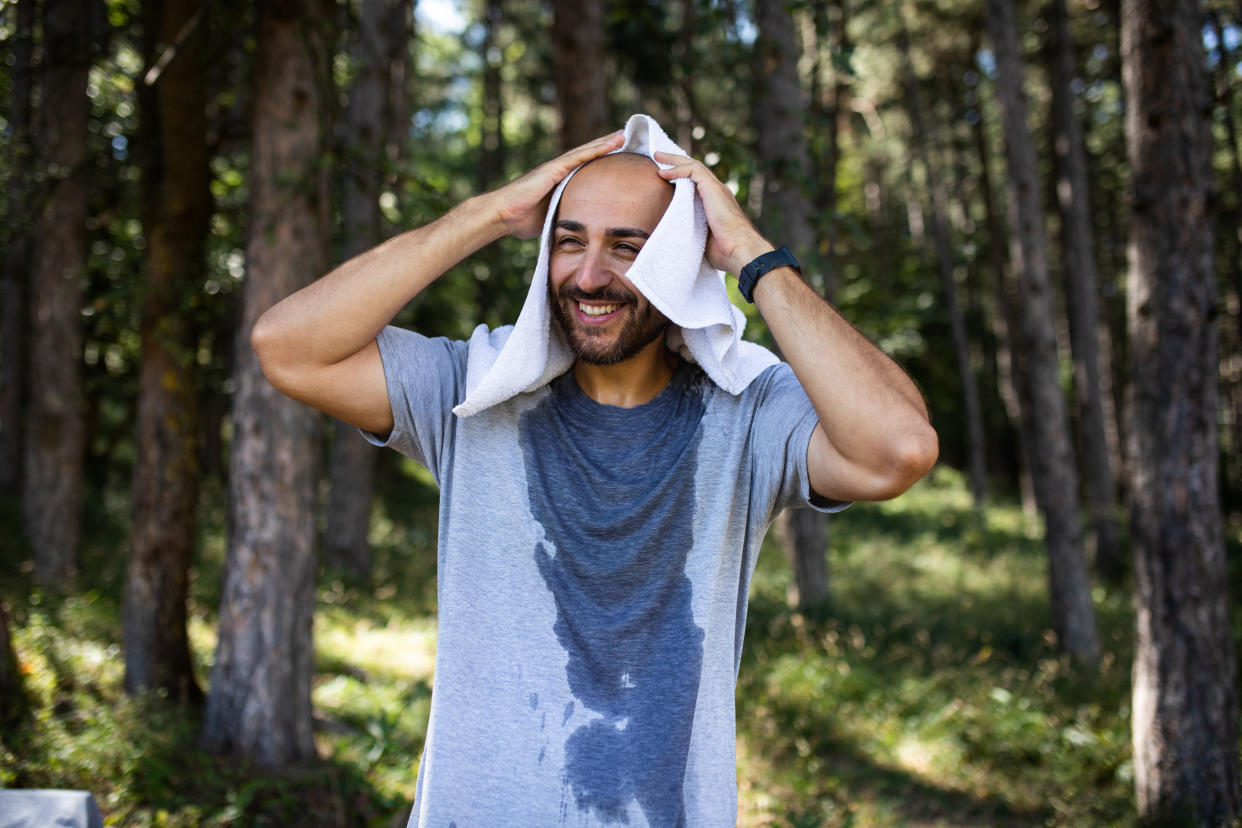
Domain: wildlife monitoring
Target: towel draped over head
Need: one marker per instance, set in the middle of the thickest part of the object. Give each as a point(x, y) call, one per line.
point(670, 271)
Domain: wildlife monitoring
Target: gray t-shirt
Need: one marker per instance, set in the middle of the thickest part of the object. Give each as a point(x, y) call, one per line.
point(593, 570)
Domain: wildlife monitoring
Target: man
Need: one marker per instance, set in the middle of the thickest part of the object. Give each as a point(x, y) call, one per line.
point(598, 530)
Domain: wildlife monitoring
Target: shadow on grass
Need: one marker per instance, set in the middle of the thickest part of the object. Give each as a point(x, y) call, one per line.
point(851, 788)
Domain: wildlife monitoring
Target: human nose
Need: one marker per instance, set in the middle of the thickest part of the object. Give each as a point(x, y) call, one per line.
point(593, 273)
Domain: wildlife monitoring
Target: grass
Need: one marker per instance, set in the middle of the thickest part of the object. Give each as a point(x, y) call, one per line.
point(928, 692)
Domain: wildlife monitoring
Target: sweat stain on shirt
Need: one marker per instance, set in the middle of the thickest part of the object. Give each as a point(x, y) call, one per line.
point(614, 492)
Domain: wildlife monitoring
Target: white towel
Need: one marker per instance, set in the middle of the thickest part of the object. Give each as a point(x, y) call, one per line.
point(670, 271)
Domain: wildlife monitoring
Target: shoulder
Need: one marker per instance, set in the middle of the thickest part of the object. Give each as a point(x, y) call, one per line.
point(403, 350)
point(774, 381)
point(394, 338)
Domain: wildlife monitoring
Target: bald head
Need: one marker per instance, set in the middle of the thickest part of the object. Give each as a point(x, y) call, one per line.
point(634, 161)
point(628, 176)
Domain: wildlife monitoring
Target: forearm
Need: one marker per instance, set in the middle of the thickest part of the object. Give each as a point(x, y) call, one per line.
point(834, 362)
point(872, 415)
point(342, 312)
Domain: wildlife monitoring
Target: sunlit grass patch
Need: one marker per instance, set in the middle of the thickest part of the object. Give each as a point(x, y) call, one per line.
point(373, 693)
point(397, 651)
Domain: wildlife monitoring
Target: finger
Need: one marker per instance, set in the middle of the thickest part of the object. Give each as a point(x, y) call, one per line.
point(565, 163)
point(672, 158)
point(681, 167)
point(597, 147)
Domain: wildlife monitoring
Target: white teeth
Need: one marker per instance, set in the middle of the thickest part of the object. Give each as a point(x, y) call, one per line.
point(597, 310)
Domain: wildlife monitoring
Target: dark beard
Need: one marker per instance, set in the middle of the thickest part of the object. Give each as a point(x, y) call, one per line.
point(642, 327)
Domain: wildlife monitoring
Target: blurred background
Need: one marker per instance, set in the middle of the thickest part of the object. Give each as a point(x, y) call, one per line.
point(218, 607)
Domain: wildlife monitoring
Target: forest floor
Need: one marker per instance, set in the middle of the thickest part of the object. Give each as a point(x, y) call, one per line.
point(928, 692)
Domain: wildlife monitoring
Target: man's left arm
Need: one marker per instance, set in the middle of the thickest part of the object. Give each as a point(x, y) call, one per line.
point(874, 438)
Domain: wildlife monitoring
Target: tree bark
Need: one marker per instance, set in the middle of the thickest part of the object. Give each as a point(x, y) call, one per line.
point(1080, 297)
point(352, 461)
point(976, 450)
point(779, 104)
point(1185, 715)
point(52, 473)
point(18, 233)
point(490, 261)
point(834, 121)
point(398, 107)
point(1052, 462)
point(259, 705)
point(492, 145)
point(578, 49)
point(1011, 383)
point(166, 470)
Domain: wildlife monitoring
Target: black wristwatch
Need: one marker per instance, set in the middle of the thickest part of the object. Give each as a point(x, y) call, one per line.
point(750, 275)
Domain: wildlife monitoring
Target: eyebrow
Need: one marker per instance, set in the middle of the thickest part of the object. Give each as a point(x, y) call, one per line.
point(612, 232)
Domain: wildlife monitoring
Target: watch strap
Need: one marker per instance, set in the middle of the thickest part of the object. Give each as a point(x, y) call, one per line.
point(753, 272)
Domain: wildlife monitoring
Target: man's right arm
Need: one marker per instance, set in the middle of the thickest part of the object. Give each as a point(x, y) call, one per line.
point(318, 345)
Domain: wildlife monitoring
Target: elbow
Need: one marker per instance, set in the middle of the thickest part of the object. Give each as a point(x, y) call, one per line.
point(923, 452)
point(912, 456)
point(262, 337)
point(269, 348)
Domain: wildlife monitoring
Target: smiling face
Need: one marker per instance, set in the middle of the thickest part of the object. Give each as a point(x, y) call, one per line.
point(606, 213)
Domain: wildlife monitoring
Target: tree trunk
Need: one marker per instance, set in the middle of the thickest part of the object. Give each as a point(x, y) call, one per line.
point(352, 462)
point(492, 144)
point(976, 451)
point(351, 475)
point(1185, 706)
point(490, 261)
point(259, 705)
point(52, 475)
point(578, 50)
point(398, 107)
point(779, 104)
point(1080, 298)
point(1010, 382)
point(1109, 205)
point(833, 121)
point(166, 470)
point(804, 535)
point(1052, 462)
point(17, 247)
point(684, 67)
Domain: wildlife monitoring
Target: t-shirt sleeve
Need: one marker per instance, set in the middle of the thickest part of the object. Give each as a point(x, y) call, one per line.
point(781, 432)
point(426, 377)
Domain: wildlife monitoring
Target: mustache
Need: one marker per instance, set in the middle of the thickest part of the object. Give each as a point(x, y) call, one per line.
point(573, 293)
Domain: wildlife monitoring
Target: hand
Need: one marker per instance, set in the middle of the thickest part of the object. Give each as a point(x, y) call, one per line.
point(522, 204)
point(732, 241)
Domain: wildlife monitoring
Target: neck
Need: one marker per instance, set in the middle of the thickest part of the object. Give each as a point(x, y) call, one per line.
point(631, 383)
